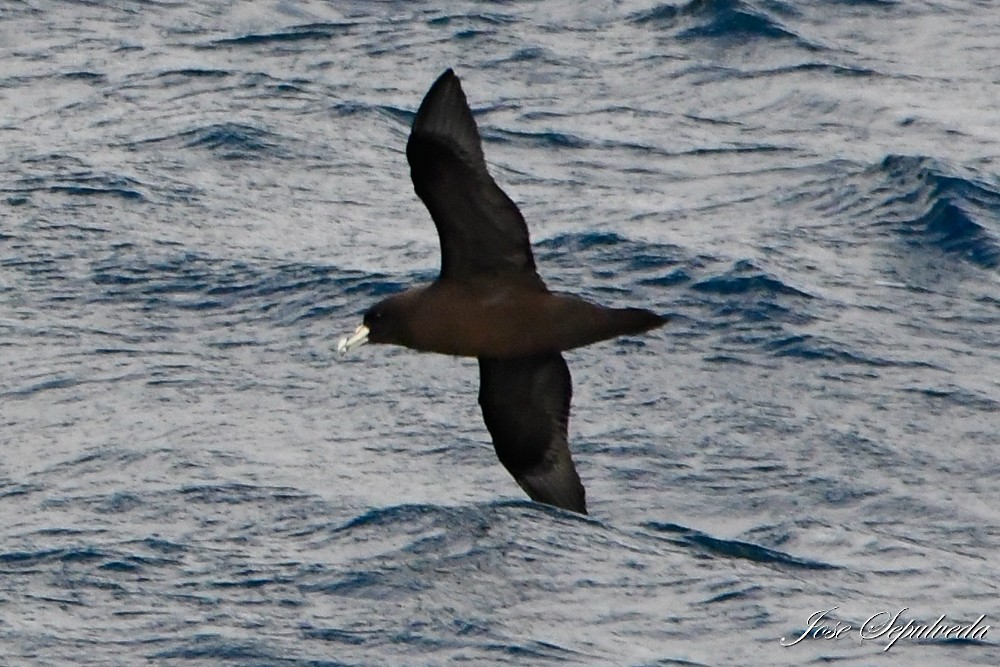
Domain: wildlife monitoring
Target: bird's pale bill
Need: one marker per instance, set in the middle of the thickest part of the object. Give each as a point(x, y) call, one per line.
point(359, 337)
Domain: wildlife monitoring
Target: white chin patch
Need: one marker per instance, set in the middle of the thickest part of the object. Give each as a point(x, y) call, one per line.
point(359, 337)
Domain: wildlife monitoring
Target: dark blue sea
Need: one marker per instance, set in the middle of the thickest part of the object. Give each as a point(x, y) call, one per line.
point(198, 198)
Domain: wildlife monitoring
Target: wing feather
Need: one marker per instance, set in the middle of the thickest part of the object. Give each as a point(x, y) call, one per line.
point(525, 403)
point(481, 229)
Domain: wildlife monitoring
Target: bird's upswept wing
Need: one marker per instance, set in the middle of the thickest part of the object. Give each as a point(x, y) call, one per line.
point(481, 229)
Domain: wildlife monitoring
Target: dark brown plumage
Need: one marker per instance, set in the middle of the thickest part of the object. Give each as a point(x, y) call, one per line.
point(489, 302)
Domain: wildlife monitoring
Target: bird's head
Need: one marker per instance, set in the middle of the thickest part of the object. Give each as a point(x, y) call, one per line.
point(385, 322)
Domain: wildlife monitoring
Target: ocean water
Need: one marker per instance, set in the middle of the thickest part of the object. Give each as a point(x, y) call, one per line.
point(198, 198)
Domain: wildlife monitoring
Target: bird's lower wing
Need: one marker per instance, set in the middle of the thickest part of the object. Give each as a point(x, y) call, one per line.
point(525, 404)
